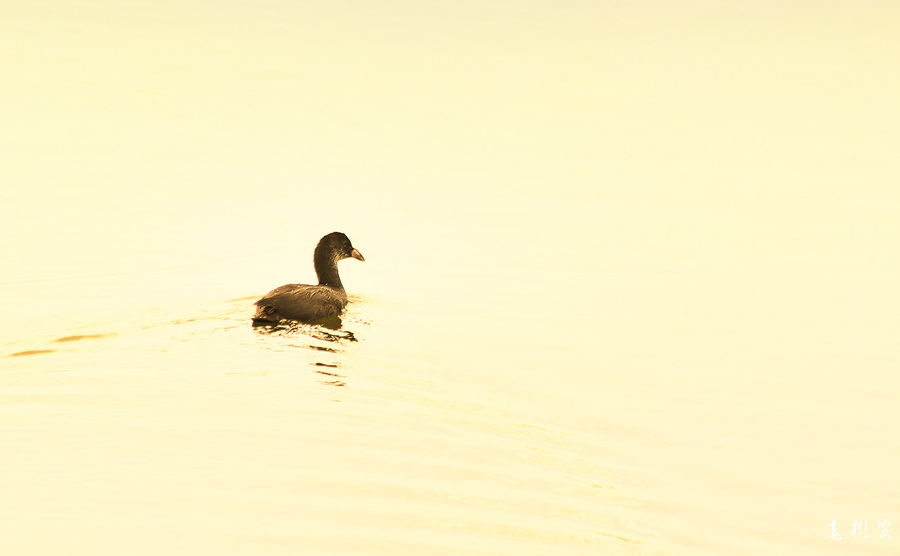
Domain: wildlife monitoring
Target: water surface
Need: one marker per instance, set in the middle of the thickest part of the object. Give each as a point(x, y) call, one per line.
point(630, 278)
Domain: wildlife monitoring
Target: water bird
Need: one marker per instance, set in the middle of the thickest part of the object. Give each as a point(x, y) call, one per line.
point(308, 303)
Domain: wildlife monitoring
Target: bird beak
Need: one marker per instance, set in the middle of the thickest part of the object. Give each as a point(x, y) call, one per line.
point(357, 255)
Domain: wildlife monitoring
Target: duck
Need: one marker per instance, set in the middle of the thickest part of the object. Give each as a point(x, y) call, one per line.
point(311, 303)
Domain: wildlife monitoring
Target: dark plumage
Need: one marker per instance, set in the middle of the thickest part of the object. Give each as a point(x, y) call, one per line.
point(307, 303)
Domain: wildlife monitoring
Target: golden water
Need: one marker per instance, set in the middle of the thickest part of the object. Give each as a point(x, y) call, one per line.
point(631, 278)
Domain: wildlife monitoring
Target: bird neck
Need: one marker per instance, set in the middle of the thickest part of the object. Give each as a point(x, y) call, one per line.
point(327, 271)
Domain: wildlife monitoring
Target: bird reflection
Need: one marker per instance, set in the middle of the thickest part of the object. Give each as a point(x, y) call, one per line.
point(336, 379)
point(332, 323)
point(327, 331)
point(324, 332)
